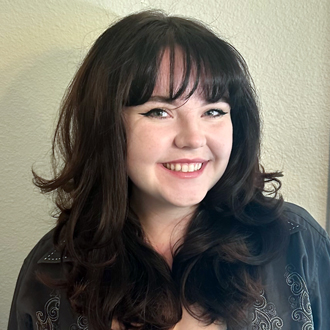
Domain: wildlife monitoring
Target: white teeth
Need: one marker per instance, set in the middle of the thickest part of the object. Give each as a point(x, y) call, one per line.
point(184, 168)
point(191, 167)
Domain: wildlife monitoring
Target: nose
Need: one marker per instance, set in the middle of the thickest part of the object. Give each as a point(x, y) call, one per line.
point(190, 135)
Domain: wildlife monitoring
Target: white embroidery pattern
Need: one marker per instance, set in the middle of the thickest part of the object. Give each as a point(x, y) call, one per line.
point(299, 300)
point(47, 320)
point(82, 324)
point(265, 315)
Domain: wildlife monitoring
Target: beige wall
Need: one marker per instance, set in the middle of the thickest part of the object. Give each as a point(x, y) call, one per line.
point(286, 44)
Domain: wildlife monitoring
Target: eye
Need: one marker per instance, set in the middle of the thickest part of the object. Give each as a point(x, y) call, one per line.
point(156, 113)
point(214, 113)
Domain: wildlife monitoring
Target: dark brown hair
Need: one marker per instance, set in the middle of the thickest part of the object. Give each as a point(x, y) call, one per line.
point(235, 230)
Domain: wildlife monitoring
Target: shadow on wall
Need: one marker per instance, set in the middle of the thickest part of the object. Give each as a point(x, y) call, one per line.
point(42, 43)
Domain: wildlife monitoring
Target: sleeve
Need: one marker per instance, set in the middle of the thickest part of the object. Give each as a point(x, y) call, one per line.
point(320, 288)
point(30, 293)
point(35, 305)
point(309, 281)
point(18, 320)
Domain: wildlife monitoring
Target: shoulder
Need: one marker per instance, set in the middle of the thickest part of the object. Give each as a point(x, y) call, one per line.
point(28, 282)
point(36, 305)
point(297, 283)
point(31, 265)
point(44, 252)
point(309, 242)
point(44, 245)
point(301, 220)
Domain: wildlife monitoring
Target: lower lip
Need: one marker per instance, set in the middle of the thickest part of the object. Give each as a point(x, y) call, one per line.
point(185, 175)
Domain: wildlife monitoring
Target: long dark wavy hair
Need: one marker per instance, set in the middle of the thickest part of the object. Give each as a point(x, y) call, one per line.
point(114, 272)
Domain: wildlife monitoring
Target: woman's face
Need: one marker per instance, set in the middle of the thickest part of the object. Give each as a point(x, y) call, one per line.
point(177, 150)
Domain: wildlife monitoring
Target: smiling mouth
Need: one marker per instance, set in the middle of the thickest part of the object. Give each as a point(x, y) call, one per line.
point(183, 167)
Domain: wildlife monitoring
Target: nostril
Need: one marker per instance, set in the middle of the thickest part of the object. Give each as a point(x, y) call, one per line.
point(192, 140)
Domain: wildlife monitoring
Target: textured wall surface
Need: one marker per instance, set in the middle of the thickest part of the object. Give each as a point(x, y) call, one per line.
point(285, 43)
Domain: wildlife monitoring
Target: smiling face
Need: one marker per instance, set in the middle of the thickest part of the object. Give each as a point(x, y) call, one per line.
point(176, 150)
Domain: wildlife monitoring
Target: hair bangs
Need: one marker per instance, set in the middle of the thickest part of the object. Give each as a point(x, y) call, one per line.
point(216, 73)
point(207, 61)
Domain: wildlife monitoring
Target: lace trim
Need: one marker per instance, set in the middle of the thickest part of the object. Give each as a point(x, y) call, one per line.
point(81, 324)
point(299, 300)
point(47, 320)
point(265, 315)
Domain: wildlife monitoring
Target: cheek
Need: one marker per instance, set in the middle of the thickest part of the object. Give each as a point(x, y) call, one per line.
point(228, 140)
point(222, 140)
point(142, 145)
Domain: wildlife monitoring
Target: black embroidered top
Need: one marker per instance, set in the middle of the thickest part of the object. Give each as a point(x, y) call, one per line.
point(296, 294)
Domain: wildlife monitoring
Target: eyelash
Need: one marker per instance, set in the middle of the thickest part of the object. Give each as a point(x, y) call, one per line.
point(155, 113)
point(219, 112)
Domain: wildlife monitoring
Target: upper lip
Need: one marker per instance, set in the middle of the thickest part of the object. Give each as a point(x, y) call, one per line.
point(187, 161)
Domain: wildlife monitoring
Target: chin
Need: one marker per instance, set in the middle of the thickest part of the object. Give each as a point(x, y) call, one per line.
point(187, 202)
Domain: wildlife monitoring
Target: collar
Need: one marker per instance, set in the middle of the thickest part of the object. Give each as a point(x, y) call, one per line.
point(54, 256)
point(295, 227)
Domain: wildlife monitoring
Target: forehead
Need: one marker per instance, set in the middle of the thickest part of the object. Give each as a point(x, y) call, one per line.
point(164, 76)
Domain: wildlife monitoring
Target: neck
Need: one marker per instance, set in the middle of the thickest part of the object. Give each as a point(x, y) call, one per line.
point(164, 226)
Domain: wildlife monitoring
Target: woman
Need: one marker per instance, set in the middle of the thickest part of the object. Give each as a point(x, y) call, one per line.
point(163, 221)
